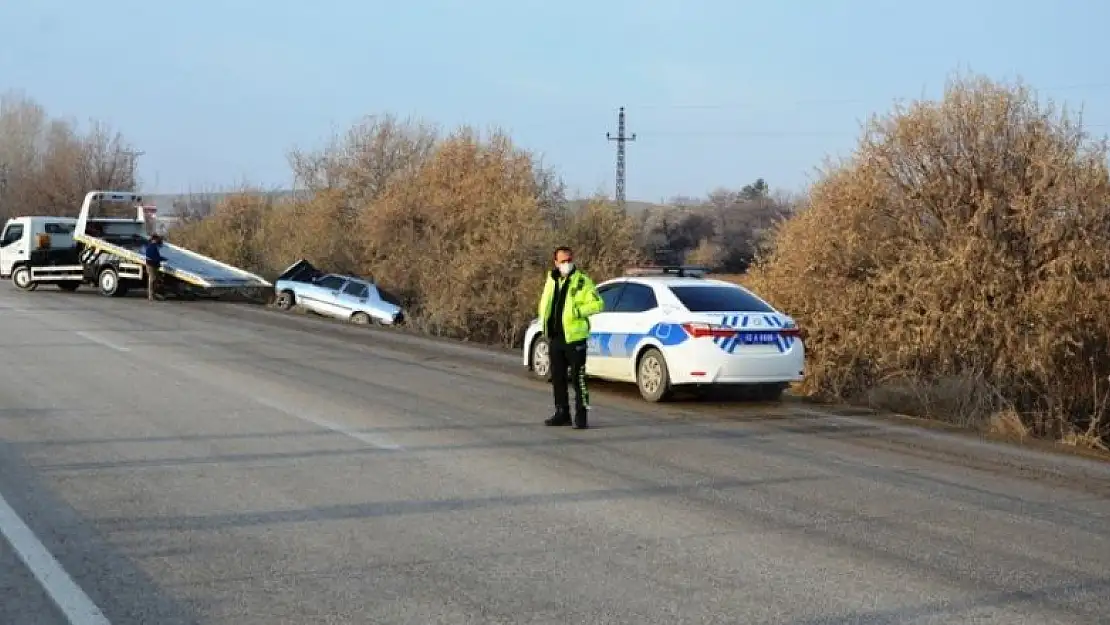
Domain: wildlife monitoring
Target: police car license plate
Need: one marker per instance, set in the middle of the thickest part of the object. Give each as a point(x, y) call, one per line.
point(757, 338)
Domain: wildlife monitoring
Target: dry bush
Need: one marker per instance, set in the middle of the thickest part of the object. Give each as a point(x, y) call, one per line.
point(966, 399)
point(706, 254)
point(47, 165)
point(966, 237)
point(359, 166)
point(604, 239)
point(458, 240)
point(231, 233)
point(465, 241)
point(316, 229)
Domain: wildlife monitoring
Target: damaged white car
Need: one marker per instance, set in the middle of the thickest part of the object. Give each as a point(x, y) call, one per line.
point(348, 298)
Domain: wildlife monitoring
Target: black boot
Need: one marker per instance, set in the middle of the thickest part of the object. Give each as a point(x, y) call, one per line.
point(581, 418)
point(561, 416)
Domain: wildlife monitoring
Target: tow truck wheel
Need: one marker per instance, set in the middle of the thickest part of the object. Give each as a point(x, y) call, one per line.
point(108, 283)
point(21, 278)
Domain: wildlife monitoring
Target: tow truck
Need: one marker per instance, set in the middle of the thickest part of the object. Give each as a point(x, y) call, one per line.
point(103, 247)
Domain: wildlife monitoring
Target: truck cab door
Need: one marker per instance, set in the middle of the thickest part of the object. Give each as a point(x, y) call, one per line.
point(13, 247)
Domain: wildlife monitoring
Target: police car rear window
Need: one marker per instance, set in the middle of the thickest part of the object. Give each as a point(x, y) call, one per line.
point(718, 299)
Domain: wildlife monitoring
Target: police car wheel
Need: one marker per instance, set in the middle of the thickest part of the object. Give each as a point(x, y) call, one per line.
point(541, 359)
point(652, 376)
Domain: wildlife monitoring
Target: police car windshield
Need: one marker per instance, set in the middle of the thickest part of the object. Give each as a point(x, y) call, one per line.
point(711, 298)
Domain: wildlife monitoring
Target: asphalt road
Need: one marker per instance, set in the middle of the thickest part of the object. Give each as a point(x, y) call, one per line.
point(208, 463)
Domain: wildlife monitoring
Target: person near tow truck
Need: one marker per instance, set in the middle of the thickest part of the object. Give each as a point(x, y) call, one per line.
point(153, 253)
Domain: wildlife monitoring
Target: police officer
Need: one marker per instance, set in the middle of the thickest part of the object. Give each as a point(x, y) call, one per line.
point(568, 300)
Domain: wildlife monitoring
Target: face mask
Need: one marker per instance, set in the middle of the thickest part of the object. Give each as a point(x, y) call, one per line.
point(564, 268)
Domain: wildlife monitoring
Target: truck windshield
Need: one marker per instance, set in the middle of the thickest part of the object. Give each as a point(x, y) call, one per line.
point(112, 209)
point(119, 229)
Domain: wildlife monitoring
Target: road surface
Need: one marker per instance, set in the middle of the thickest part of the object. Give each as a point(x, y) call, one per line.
point(178, 462)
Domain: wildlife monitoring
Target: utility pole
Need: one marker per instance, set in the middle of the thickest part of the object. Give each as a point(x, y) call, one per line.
point(621, 139)
point(132, 156)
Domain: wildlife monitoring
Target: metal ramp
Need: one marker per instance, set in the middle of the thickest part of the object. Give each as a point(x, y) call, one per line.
point(185, 265)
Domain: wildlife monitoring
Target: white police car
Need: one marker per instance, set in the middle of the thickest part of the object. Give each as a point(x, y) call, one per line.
point(670, 326)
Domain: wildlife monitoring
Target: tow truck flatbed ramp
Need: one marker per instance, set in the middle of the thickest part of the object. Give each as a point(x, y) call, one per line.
point(185, 265)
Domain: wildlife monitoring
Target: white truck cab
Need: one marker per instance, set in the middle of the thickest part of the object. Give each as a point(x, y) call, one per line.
point(22, 235)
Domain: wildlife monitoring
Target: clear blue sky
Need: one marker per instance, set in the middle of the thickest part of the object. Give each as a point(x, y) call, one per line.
point(719, 92)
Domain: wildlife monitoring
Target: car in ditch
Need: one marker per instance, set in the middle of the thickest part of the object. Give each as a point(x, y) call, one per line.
point(669, 327)
point(345, 297)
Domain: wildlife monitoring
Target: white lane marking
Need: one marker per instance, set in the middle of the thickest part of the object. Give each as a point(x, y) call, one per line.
point(70, 599)
point(378, 441)
point(102, 341)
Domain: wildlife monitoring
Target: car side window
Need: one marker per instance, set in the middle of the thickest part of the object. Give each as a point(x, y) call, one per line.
point(610, 295)
point(331, 282)
point(636, 298)
point(355, 289)
point(12, 234)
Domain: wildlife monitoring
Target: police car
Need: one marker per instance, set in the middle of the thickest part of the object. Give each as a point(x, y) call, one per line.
point(667, 327)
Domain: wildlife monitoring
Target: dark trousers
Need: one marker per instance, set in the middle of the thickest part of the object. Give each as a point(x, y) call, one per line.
point(572, 355)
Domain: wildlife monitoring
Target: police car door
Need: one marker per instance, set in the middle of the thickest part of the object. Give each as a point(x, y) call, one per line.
point(631, 323)
point(598, 362)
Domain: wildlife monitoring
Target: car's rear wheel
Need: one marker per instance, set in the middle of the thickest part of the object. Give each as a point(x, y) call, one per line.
point(541, 359)
point(70, 286)
point(285, 300)
point(360, 319)
point(652, 376)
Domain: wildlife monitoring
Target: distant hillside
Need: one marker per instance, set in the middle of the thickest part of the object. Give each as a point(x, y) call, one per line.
point(633, 207)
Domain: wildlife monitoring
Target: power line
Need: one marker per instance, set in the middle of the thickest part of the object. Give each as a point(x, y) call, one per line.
point(621, 139)
point(884, 102)
point(1093, 86)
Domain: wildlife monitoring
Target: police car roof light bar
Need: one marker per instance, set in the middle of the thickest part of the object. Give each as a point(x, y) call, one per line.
point(682, 271)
